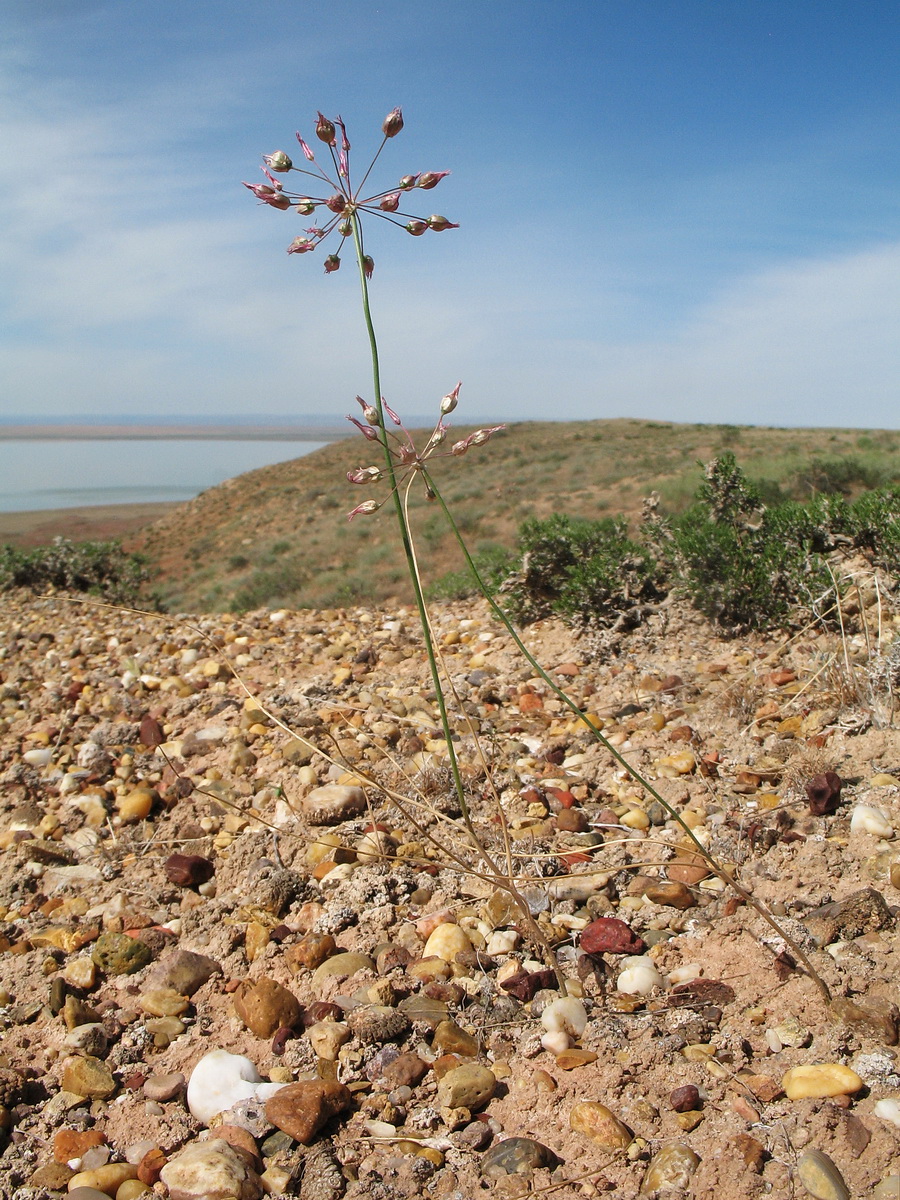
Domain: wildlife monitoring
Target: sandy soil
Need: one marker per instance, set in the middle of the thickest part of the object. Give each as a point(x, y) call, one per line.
point(26, 529)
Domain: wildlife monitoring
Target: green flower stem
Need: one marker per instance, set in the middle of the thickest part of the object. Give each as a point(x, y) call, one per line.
point(406, 538)
point(747, 896)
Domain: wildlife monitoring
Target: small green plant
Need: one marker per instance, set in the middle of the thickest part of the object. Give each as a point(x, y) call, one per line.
point(101, 569)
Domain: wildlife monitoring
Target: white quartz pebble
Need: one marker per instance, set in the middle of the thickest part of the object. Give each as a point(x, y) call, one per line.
point(685, 974)
point(565, 1015)
point(888, 1110)
point(220, 1080)
point(556, 1042)
point(639, 977)
point(37, 758)
point(502, 941)
point(867, 818)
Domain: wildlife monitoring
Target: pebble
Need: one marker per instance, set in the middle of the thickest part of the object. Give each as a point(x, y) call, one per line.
point(820, 1080)
point(609, 935)
point(86, 1193)
point(469, 1086)
point(406, 1070)
point(333, 803)
point(265, 1006)
point(164, 1087)
point(446, 941)
point(135, 806)
point(516, 1156)
point(220, 1080)
point(820, 1176)
point(163, 1002)
point(327, 1037)
point(210, 1170)
point(670, 1167)
point(74, 1143)
point(888, 1110)
point(874, 821)
point(639, 977)
point(888, 1188)
point(105, 1179)
point(188, 870)
point(601, 1125)
point(450, 1038)
point(345, 964)
point(671, 894)
point(88, 1076)
point(184, 971)
point(685, 1098)
point(302, 1109)
point(119, 954)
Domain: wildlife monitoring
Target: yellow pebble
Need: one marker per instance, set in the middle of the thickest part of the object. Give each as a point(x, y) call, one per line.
point(135, 806)
point(820, 1080)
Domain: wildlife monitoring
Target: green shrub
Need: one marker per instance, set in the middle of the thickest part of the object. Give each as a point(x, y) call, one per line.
point(101, 569)
point(494, 564)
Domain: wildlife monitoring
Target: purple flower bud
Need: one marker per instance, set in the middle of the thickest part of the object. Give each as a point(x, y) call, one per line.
point(343, 165)
point(431, 179)
point(416, 228)
point(366, 430)
point(451, 400)
point(407, 182)
point(437, 437)
point(390, 412)
point(300, 245)
point(268, 195)
point(459, 447)
point(345, 228)
point(390, 203)
point(368, 265)
point(345, 145)
point(305, 207)
point(316, 232)
point(325, 130)
point(364, 475)
point(332, 264)
point(392, 123)
point(437, 223)
point(337, 203)
point(278, 161)
point(306, 150)
point(365, 509)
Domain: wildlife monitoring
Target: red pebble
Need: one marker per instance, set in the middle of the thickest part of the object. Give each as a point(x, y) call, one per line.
point(188, 870)
point(685, 1099)
point(609, 935)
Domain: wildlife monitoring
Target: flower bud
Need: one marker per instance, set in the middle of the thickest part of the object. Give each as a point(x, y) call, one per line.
point(269, 195)
point(345, 228)
point(300, 245)
point(437, 223)
point(368, 265)
point(278, 161)
point(345, 145)
point(390, 412)
point(325, 130)
point(365, 509)
point(390, 203)
point(416, 228)
point(364, 475)
point(431, 179)
point(366, 430)
point(370, 412)
point(305, 207)
point(332, 264)
point(337, 203)
point(407, 182)
point(392, 123)
point(480, 436)
point(459, 448)
point(451, 400)
point(306, 150)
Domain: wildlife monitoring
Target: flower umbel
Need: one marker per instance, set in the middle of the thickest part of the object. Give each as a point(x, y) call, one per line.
point(407, 459)
point(344, 204)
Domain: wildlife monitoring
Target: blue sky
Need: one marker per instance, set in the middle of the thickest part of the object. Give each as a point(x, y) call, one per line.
point(672, 209)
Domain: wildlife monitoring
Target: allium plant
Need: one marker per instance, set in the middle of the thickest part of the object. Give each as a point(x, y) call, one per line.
point(343, 210)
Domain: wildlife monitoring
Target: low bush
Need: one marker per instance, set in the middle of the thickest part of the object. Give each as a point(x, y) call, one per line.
point(742, 562)
point(100, 569)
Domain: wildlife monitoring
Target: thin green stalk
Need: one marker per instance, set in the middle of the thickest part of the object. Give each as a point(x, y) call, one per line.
point(747, 896)
point(406, 538)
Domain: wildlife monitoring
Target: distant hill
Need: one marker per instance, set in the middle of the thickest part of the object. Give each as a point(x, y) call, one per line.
point(279, 536)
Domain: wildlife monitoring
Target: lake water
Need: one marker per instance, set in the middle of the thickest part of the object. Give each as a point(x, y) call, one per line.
point(71, 474)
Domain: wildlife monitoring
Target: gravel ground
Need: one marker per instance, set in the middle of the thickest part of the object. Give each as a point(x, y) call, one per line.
point(176, 882)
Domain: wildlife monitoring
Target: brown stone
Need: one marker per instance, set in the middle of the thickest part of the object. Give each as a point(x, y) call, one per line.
point(406, 1070)
point(301, 1109)
point(265, 1006)
point(449, 1038)
point(188, 870)
point(310, 952)
point(74, 1143)
point(673, 895)
point(751, 1151)
point(609, 935)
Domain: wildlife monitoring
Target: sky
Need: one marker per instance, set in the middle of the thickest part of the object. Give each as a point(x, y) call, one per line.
point(678, 210)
